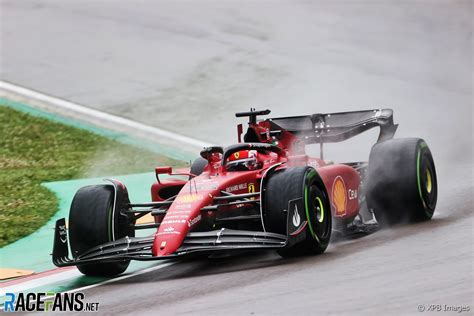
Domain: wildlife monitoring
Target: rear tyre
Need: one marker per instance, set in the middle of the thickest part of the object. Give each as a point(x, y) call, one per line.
point(401, 181)
point(93, 222)
point(301, 192)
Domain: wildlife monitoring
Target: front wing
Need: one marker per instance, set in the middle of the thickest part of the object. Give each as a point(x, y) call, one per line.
point(139, 248)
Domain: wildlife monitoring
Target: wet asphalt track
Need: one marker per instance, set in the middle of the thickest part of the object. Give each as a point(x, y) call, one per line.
point(174, 65)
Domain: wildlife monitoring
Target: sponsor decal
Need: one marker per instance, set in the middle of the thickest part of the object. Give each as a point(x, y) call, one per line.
point(296, 223)
point(352, 194)
point(163, 244)
point(168, 231)
point(251, 188)
point(48, 302)
point(194, 220)
point(180, 212)
point(176, 216)
point(63, 234)
point(236, 187)
point(182, 206)
point(207, 186)
point(296, 217)
point(174, 221)
point(339, 196)
point(188, 198)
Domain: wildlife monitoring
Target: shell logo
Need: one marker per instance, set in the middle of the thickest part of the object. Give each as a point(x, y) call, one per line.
point(339, 198)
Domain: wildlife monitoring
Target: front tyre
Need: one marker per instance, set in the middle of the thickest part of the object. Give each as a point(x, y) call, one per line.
point(92, 222)
point(296, 204)
point(198, 166)
point(401, 181)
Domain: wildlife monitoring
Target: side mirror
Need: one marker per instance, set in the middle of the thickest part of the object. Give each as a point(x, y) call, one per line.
point(163, 170)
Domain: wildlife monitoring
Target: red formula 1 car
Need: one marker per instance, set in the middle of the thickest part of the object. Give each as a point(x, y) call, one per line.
point(263, 193)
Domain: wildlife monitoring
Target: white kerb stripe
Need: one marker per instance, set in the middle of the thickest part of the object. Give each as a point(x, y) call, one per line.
point(68, 105)
point(161, 266)
point(48, 279)
point(70, 274)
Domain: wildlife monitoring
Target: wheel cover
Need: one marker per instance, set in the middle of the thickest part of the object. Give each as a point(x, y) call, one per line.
point(322, 229)
point(426, 178)
point(428, 184)
point(318, 205)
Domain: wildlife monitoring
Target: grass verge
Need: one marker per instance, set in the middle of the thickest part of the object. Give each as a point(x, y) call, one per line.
point(35, 150)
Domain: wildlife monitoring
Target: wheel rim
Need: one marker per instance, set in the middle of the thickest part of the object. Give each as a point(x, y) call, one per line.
point(319, 207)
point(318, 221)
point(428, 184)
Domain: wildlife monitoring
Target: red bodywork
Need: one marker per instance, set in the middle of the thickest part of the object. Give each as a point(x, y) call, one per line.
point(341, 181)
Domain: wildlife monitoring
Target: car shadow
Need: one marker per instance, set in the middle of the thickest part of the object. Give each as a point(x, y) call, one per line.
point(338, 249)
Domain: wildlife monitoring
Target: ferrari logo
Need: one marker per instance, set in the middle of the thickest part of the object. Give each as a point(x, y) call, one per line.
point(236, 155)
point(339, 198)
point(251, 188)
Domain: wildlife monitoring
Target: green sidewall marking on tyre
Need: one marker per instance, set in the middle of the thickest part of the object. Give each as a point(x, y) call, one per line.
point(310, 175)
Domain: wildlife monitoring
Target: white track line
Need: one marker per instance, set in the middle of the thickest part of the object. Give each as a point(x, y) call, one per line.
point(77, 108)
point(161, 266)
point(70, 274)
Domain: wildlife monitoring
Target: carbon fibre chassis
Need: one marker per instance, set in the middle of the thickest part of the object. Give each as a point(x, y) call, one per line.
point(139, 248)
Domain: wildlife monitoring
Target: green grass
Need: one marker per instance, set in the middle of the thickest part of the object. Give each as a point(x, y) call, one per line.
point(35, 150)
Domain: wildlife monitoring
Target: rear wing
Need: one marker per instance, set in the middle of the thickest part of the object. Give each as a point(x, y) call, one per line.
point(337, 127)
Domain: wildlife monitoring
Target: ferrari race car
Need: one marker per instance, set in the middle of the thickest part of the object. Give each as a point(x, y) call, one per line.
point(264, 192)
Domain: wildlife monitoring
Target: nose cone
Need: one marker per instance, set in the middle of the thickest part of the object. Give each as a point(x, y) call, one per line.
point(169, 238)
point(183, 214)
